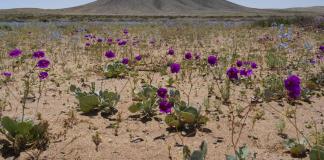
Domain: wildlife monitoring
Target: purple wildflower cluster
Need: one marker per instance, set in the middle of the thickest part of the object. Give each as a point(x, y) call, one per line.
point(164, 105)
point(7, 74)
point(38, 54)
point(171, 51)
point(42, 62)
point(110, 54)
point(212, 60)
point(175, 67)
point(15, 53)
point(292, 85)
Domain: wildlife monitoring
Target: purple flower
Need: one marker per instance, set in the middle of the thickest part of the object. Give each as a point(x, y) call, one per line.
point(321, 48)
point(239, 63)
point(171, 51)
point(125, 61)
point(122, 42)
point(292, 84)
point(212, 60)
point(162, 92)
point(188, 56)
point(43, 63)
point(249, 72)
point(254, 65)
point(7, 74)
point(110, 54)
point(110, 41)
point(165, 106)
point(43, 75)
point(15, 53)
point(246, 73)
point(39, 54)
point(138, 57)
point(87, 44)
point(99, 40)
point(232, 73)
point(175, 67)
point(125, 31)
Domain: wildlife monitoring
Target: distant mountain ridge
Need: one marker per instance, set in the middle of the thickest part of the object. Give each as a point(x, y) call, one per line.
point(167, 8)
point(156, 7)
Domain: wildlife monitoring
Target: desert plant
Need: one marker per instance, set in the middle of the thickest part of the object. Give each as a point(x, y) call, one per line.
point(241, 154)
point(96, 100)
point(273, 88)
point(115, 70)
point(197, 154)
point(185, 117)
point(147, 101)
point(317, 153)
point(24, 134)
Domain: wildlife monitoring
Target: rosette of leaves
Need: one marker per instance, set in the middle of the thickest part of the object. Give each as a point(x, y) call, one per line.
point(96, 100)
point(25, 134)
point(195, 155)
point(296, 149)
point(241, 154)
point(115, 70)
point(185, 117)
point(146, 101)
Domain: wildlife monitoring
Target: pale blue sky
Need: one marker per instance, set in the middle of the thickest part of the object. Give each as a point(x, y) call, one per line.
point(54, 4)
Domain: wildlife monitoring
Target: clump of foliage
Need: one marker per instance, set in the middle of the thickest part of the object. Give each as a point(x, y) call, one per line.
point(96, 100)
point(273, 88)
point(275, 61)
point(147, 101)
point(185, 117)
point(296, 149)
point(115, 70)
point(197, 154)
point(25, 134)
point(241, 154)
point(317, 151)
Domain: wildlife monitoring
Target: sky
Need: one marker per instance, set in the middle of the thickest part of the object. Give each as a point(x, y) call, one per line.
point(55, 4)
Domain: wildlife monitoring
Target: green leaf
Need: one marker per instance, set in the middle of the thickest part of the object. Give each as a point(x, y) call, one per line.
point(203, 148)
point(317, 153)
point(135, 107)
point(87, 103)
point(192, 110)
point(203, 120)
point(197, 155)
point(172, 121)
point(10, 125)
point(187, 117)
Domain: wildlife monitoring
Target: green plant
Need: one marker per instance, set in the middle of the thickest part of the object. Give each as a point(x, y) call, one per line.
point(100, 100)
point(185, 117)
point(115, 70)
point(147, 101)
point(24, 134)
point(241, 154)
point(197, 154)
point(275, 61)
point(273, 88)
point(96, 140)
point(317, 153)
point(281, 125)
point(296, 149)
